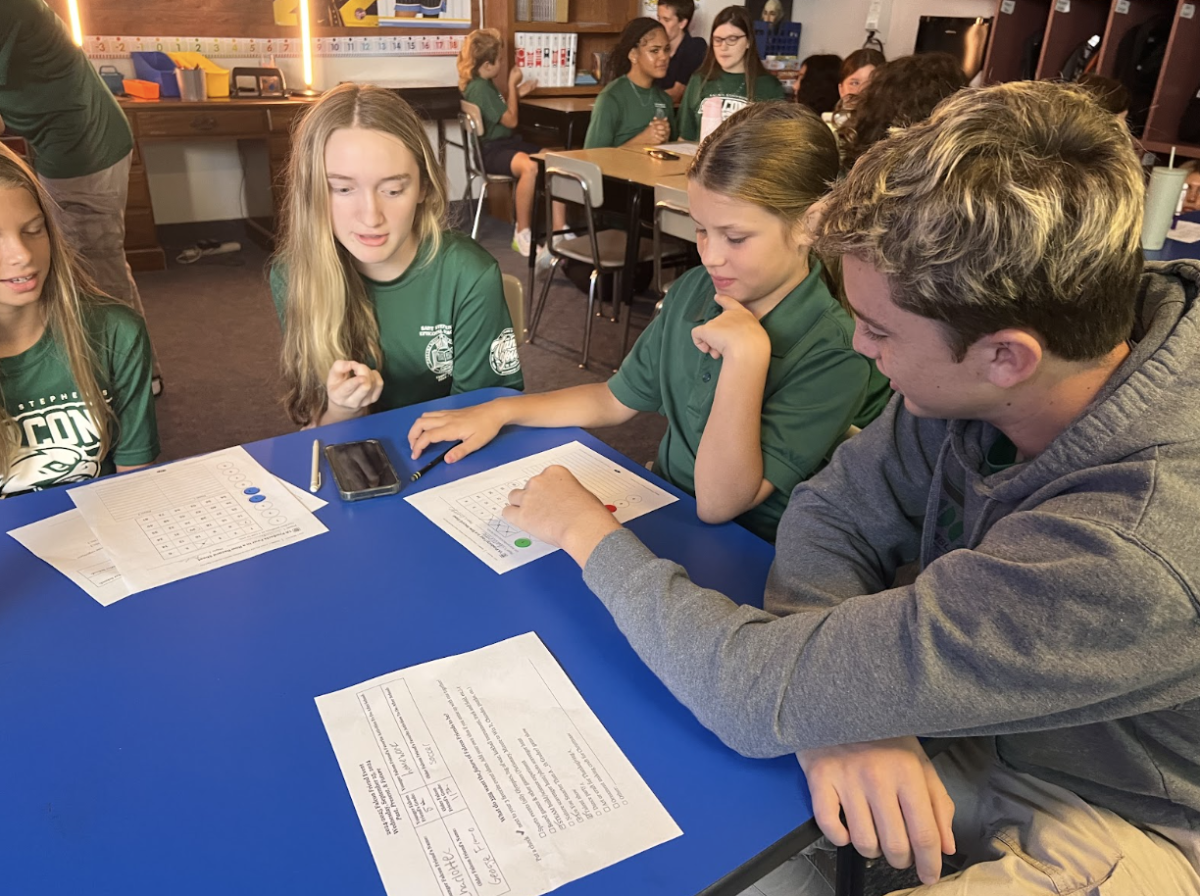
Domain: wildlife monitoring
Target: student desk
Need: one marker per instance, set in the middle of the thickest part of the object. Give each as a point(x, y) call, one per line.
point(556, 120)
point(1173, 250)
point(629, 179)
point(169, 743)
point(264, 120)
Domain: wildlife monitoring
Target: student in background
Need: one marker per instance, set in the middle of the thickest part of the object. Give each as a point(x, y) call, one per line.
point(381, 307)
point(857, 70)
point(1039, 462)
point(631, 109)
point(51, 95)
point(818, 83)
point(732, 75)
point(750, 360)
point(687, 52)
point(75, 365)
point(903, 92)
point(1191, 196)
point(503, 152)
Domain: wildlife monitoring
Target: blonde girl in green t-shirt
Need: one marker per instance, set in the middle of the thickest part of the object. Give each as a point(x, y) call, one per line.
point(364, 214)
point(75, 365)
point(743, 432)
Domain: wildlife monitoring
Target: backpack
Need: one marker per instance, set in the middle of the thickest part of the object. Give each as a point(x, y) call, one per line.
point(1080, 59)
point(1139, 60)
point(1031, 51)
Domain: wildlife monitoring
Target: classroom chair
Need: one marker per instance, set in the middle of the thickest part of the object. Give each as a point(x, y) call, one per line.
point(470, 122)
point(514, 297)
point(579, 183)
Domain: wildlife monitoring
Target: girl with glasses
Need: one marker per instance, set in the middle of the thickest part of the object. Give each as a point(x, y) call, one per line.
point(731, 77)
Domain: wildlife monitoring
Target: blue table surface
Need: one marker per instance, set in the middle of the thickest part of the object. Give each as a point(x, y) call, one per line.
point(169, 743)
point(1174, 249)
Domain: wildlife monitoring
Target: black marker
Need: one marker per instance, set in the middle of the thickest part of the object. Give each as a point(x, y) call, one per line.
point(433, 463)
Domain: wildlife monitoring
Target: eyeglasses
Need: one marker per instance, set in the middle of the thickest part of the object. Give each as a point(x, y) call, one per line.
point(727, 41)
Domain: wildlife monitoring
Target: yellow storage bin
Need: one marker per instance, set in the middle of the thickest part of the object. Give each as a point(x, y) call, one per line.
point(216, 79)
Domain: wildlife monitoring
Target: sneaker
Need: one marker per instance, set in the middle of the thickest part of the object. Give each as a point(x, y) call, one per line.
point(520, 243)
point(544, 258)
point(156, 385)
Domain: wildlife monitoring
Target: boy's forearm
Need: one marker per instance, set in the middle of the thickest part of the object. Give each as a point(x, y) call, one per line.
point(729, 463)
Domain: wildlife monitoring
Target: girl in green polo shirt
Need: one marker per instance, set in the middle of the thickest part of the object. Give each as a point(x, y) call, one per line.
point(631, 109)
point(731, 76)
point(75, 366)
point(380, 306)
point(750, 360)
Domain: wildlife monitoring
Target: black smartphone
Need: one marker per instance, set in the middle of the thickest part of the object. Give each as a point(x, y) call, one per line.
point(362, 470)
point(664, 155)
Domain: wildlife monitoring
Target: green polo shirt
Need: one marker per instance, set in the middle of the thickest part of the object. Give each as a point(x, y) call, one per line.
point(623, 110)
point(817, 386)
point(58, 438)
point(444, 327)
point(731, 88)
point(491, 105)
point(51, 96)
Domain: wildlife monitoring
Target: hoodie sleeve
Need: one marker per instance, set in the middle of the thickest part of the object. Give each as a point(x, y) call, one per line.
point(1053, 620)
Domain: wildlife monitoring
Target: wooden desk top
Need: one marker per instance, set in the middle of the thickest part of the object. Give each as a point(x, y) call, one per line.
point(562, 103)
point(129, 103)
point(631, 166)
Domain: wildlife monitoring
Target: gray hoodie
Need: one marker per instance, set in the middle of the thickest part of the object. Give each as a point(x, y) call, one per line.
point(1057, 605)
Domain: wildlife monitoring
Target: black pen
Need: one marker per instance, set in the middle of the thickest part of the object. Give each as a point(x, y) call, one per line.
point(433, 463)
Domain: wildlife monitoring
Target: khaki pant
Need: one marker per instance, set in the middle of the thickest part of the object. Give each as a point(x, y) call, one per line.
point(92, 219)
point(1020, 836)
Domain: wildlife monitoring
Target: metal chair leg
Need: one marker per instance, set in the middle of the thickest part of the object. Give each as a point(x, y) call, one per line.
point(615, 298)
point(625, 335)
point(587, 317)
point(479, 209)
point(541, 303)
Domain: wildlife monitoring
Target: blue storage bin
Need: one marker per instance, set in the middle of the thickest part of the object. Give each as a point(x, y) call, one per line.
point(784, 42)
point(157, 68)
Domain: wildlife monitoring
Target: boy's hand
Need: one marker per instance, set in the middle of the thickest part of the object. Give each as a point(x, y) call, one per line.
point(735, 332)
point(554, 508)
point(894, 802)
point(352, 388)
point(474, 427)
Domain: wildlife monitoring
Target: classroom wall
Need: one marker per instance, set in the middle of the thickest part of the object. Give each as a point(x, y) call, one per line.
point(838, 27)
point(214, 181)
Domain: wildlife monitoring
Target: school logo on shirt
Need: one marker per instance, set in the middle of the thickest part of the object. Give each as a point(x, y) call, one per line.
point(503, 355)
point(60, 444)
point(439, 353)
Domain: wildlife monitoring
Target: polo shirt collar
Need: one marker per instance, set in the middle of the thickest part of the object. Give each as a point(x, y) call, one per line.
point(788, 321)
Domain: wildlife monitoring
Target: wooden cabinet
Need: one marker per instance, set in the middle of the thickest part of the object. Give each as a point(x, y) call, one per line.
point(1064, 24)
point(598, 24)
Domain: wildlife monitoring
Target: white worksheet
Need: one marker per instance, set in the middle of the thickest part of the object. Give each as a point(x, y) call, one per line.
point(67, 543)
point(469, 509)
point(487, 774)
point(1185, 231)
point(682, 148)
point(174, 521)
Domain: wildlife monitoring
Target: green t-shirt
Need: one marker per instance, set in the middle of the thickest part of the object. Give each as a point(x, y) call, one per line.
point(444, 327)
point(731, 88)
point(59, 442)
point(817, 386)
point(623, 110)
point(491, 106)
point(51, 96)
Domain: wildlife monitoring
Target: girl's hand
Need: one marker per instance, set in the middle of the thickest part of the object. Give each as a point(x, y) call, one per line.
point(735, 332)
point(474, 427)
point(657, 131)
point(516, 82)
point(553, 507)
point(352, 388)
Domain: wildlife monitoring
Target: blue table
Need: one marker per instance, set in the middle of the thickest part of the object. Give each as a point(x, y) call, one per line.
point(1173, 249)
point(170, 743)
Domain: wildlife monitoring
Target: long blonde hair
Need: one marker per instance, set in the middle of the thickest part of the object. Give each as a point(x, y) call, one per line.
point(481, 47)
point(329, 315)
point(67, 290)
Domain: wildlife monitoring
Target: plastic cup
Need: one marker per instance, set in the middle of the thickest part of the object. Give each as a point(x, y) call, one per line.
point(1161, 200)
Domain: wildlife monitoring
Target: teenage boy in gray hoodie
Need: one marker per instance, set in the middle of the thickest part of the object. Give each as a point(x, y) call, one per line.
point(1041, 464)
